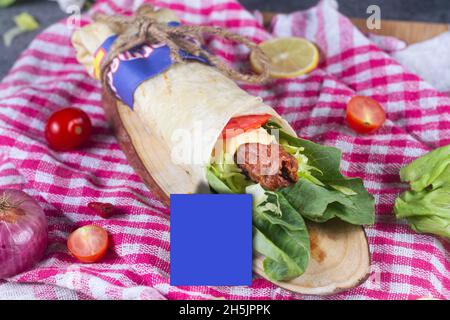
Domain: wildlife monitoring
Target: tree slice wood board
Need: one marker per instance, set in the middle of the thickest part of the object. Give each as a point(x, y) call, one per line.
point(409, 31)
point(340, 257)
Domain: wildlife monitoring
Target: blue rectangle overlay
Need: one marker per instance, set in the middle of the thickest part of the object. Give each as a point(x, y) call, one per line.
point(210, 239)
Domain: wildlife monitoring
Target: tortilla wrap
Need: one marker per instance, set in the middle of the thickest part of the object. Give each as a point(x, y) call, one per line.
point(188, 105)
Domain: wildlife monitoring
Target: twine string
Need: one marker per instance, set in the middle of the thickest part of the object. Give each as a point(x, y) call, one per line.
point(142, 28)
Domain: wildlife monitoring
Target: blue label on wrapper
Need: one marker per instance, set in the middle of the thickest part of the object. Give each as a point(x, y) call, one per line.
point(129, 69)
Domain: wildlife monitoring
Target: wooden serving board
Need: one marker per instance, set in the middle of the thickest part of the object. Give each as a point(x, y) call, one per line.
point(340, 257)
point(340, 260)
point(409, 31)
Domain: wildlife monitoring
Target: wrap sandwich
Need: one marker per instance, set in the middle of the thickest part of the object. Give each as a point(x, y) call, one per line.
point(212, 136)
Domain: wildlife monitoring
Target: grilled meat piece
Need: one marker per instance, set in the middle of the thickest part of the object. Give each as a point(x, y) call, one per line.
point(269, 165)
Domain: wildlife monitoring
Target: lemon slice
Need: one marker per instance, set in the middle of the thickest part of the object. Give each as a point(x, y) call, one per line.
point(289, 57)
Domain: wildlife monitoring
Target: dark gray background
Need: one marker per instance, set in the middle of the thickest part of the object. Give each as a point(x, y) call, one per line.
point(47, 12)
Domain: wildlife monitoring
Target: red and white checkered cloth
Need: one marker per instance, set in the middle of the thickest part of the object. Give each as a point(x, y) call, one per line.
point(47, 77)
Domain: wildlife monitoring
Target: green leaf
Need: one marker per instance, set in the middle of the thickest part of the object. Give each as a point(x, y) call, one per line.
point(431, 224)
point(321, 204)
point(215, 183)
point(24, 23)
point(424, 203)
point(344, 190)
point(336, 196)
point(304, 169)
point(277, 264)
point(430, 169)
point(326, 159)
point(427, 205)
point(265, 201)
point(311, 200)
point(6, 3)
point(10, 34)
point(226, 170)
point(283, 240)
point(279, 232)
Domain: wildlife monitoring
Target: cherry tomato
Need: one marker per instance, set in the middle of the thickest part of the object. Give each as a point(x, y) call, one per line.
point(364, 114)
point(242, 124)
point(68, 129)
point(88, 244)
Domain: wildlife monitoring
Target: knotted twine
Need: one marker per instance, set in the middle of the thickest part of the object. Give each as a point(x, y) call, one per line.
point(142, 28)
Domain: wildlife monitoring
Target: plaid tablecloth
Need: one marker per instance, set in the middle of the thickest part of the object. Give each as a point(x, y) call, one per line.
point(47, 77)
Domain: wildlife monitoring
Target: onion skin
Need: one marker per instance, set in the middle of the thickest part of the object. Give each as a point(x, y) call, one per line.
point(23, 232)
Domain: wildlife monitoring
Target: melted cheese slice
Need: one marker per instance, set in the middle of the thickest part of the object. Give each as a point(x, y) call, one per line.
point(230, 145)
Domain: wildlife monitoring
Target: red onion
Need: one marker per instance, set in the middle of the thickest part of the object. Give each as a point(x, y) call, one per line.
point(23, 232)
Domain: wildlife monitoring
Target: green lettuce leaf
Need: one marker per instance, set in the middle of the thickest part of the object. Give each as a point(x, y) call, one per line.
point(336, 195)
point(215, 183)
point(304, 169)
point(24, 23)
point(279, 232)
point(283, 240)
point(432, 169)
point(426, 211)
point(431, 224)
point(427, 205)
point(424, 203)
point(226, 170)
point(6, 3)
point(344, 190)
point(265, 201)
point(321, 204)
